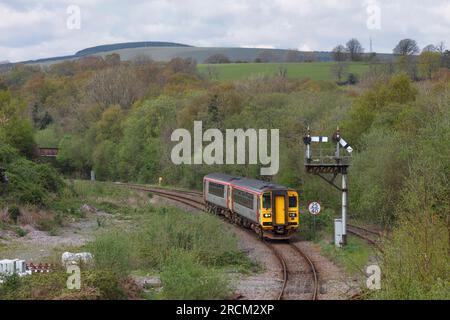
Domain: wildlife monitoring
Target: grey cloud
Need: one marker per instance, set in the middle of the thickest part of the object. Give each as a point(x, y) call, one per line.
point(36, 29)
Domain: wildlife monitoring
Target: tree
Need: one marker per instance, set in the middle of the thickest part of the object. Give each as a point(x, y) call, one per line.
point(446, 59)
point(217, 58)
point(354, 50)
point(339, 53)
point(399, 90)
point(41, 118)
point(309, 56)
point(266, 56)
point(109, 127)
point(282, 72)
point(20, 74)
point(406, 47)
point(112, 60)
point(293, 56)
point(73, 155)
point(115, 86)
point(352, 79)
point(142, 60)
point(440, 47)
point(213, 111)
point(339, 70)
point(429, 63)
point(429, 48)
point(15, 129)
point(65, 68)
point(90, 63)
point(3, 85)
point(104, 160)
point(180, 65)
point(212, 72)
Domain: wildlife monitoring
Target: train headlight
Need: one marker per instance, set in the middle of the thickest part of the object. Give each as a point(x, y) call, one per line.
point(267, 215)
point(292, 215)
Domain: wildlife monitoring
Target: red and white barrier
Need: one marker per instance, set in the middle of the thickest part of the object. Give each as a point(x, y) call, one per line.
point(40, 268)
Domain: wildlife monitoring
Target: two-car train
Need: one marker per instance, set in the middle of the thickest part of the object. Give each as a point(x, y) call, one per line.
point(271, 210)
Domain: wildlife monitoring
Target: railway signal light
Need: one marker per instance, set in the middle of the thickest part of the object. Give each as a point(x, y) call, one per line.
point(319, 139)
point(322, 166)
point(338, 139)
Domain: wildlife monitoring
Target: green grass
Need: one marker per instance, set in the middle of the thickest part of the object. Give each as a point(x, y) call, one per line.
point(184, 278)
point(353, 257)
point(191, 253)
point(52, 286)
point(313, 70)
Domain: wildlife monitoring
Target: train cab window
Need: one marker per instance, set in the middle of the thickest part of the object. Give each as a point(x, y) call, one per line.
point(266, 201)
point(292, 202)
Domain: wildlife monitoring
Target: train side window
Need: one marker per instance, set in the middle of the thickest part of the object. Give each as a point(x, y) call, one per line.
point(243, 198)
point(292, 202)
point(217, 189)
point(266, 201)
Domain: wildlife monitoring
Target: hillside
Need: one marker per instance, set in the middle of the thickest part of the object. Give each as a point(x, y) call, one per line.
point(127, 45)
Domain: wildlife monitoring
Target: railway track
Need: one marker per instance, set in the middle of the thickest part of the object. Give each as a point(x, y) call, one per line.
point(296, 282)
point(191, 199)
point(372, 232)
point(371, 237)
point(294, 285)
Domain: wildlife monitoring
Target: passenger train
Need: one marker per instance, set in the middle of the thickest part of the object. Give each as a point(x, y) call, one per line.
point(271, 210)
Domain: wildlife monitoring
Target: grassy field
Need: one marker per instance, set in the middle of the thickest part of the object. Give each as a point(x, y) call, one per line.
point(313, 70)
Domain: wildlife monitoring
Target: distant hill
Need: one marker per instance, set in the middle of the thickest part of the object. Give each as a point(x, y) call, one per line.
point(165, 51)
point(107, 48)
point(127, 45)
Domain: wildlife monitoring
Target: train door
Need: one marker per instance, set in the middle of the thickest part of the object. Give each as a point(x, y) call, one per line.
point(280, 210)
point(229, 198)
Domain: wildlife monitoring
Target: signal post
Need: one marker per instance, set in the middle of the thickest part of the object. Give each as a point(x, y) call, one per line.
point(328, 167)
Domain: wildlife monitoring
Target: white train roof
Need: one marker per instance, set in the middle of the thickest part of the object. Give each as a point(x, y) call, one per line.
point(254, 184)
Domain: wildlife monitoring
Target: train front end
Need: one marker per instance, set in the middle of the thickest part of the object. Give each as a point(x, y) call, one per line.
point(279, 213)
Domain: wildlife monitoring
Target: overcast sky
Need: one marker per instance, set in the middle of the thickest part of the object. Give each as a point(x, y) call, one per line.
point(38, 29)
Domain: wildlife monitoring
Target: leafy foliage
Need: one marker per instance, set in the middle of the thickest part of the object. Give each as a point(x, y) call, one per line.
point(14, 129)
point(29, 182)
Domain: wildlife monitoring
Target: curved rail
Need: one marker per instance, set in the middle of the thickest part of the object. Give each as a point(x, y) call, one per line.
point(192, 192)
point(172, 195)
point(198, 203)
point(283, 266)
point(286, 271)
point(313, 271)
point(375, 243)
point(376, 233)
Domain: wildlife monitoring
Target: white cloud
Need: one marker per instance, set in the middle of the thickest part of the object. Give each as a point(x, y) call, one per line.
point(305, 47)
